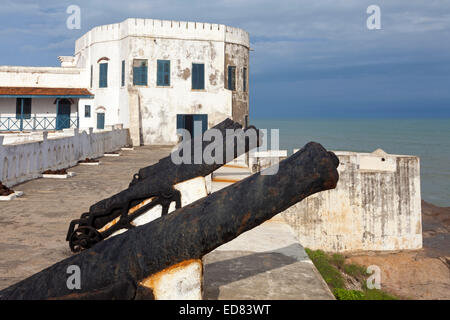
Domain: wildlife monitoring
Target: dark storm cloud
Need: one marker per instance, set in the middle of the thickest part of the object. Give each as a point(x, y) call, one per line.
point(308, 55)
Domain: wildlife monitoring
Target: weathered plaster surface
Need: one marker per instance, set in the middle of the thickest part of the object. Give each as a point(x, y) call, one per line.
point(375, 206)
point(27, 156)
point(238, 56)
point(150, 111)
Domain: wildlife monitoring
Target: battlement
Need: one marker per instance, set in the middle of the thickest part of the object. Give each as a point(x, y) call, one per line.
point(183, 30)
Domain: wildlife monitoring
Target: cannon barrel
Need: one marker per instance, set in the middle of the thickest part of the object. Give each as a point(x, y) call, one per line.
point(166, 173)
point(177, 173)
point(113, 268)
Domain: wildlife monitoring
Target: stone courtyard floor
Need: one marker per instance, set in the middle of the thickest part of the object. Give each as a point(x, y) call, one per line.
point(33, 227)
point(266, 262)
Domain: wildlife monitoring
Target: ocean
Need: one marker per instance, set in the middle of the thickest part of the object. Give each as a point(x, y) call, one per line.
point(427, 138)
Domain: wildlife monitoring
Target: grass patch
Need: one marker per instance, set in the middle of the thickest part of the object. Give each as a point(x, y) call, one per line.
point(329, 273)
point(344, 294)
point(337, 259)
point(355, 270)
point(332, 267)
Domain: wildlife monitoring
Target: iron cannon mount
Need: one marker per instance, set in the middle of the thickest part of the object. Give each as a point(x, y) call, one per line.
point(154, 183)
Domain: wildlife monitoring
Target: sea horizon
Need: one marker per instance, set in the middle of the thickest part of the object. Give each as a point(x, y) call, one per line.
point(427, 138)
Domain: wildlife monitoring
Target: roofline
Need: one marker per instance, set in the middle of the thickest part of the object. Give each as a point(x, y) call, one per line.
point(227, 34)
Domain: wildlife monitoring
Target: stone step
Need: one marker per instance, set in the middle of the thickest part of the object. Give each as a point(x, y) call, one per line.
point(265, 263)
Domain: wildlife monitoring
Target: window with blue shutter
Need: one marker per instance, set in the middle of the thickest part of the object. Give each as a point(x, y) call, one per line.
point(103, 78)
point(23, 108)
point(100, 121)
point(203, 118)
point(198, 76)
point(123, 74)
point(163, 73)
point(231, 78)
point(187, 122)
point(140, 72)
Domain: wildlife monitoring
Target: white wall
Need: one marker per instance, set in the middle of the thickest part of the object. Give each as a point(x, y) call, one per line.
point(22, 161)
point(375, 206)
point(41, 107)
point(153, 108)
point(150, 112)
point(51, 77)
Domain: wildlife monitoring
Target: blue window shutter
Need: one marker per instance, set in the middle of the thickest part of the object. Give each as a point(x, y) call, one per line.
point(100, 121)
point(163, 73)
point(159, 80)
point(180, 121)
point(204, 122)
point(198, 76)
point(229, 77)
point(103, 79)
point(167, 73)
point(26, 108)
point(144, 75)
point(18, 108)
point(201, 76)
point(194, 75)
point(123, 73)
point(204, 119)
point(136, 75)
point(140, 75)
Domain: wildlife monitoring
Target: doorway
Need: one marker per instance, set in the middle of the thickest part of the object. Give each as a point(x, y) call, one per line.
point(63, 114)
point(187, 122)
point(100, 120)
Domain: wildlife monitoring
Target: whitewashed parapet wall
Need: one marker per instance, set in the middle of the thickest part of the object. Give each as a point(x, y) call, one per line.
point(260, 160)
point(375, 206)
point(27, 157)
point(49, 77)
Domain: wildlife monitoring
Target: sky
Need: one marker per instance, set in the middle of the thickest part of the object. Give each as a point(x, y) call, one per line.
point(309, 59)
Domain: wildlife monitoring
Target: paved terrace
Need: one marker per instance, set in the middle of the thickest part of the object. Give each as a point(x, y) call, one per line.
point(264, 263)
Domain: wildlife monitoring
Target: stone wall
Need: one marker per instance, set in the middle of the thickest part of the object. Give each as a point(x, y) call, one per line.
point(375, 206)
point(238, 55)
point(26, 156)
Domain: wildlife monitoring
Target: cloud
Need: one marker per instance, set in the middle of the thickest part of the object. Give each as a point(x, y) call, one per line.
point(312, 43)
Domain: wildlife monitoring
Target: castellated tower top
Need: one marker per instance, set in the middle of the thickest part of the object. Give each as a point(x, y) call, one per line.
point(153, 28)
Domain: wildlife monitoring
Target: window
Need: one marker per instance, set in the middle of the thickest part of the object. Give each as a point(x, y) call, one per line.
point(140, 68)
point(87, 111)
point(198, 76)
point(244, 77)
point(92, 73)
point(103, 78)
point(189, 122)
point(123, 74)
point(23, 108)
point(163, 73)
point(231, 78)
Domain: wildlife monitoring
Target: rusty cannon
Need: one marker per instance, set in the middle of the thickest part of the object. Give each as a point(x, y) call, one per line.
point(115, 268)
point(156, 182)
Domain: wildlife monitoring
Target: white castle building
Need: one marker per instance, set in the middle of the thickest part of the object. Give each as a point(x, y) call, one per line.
point(152, 76)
